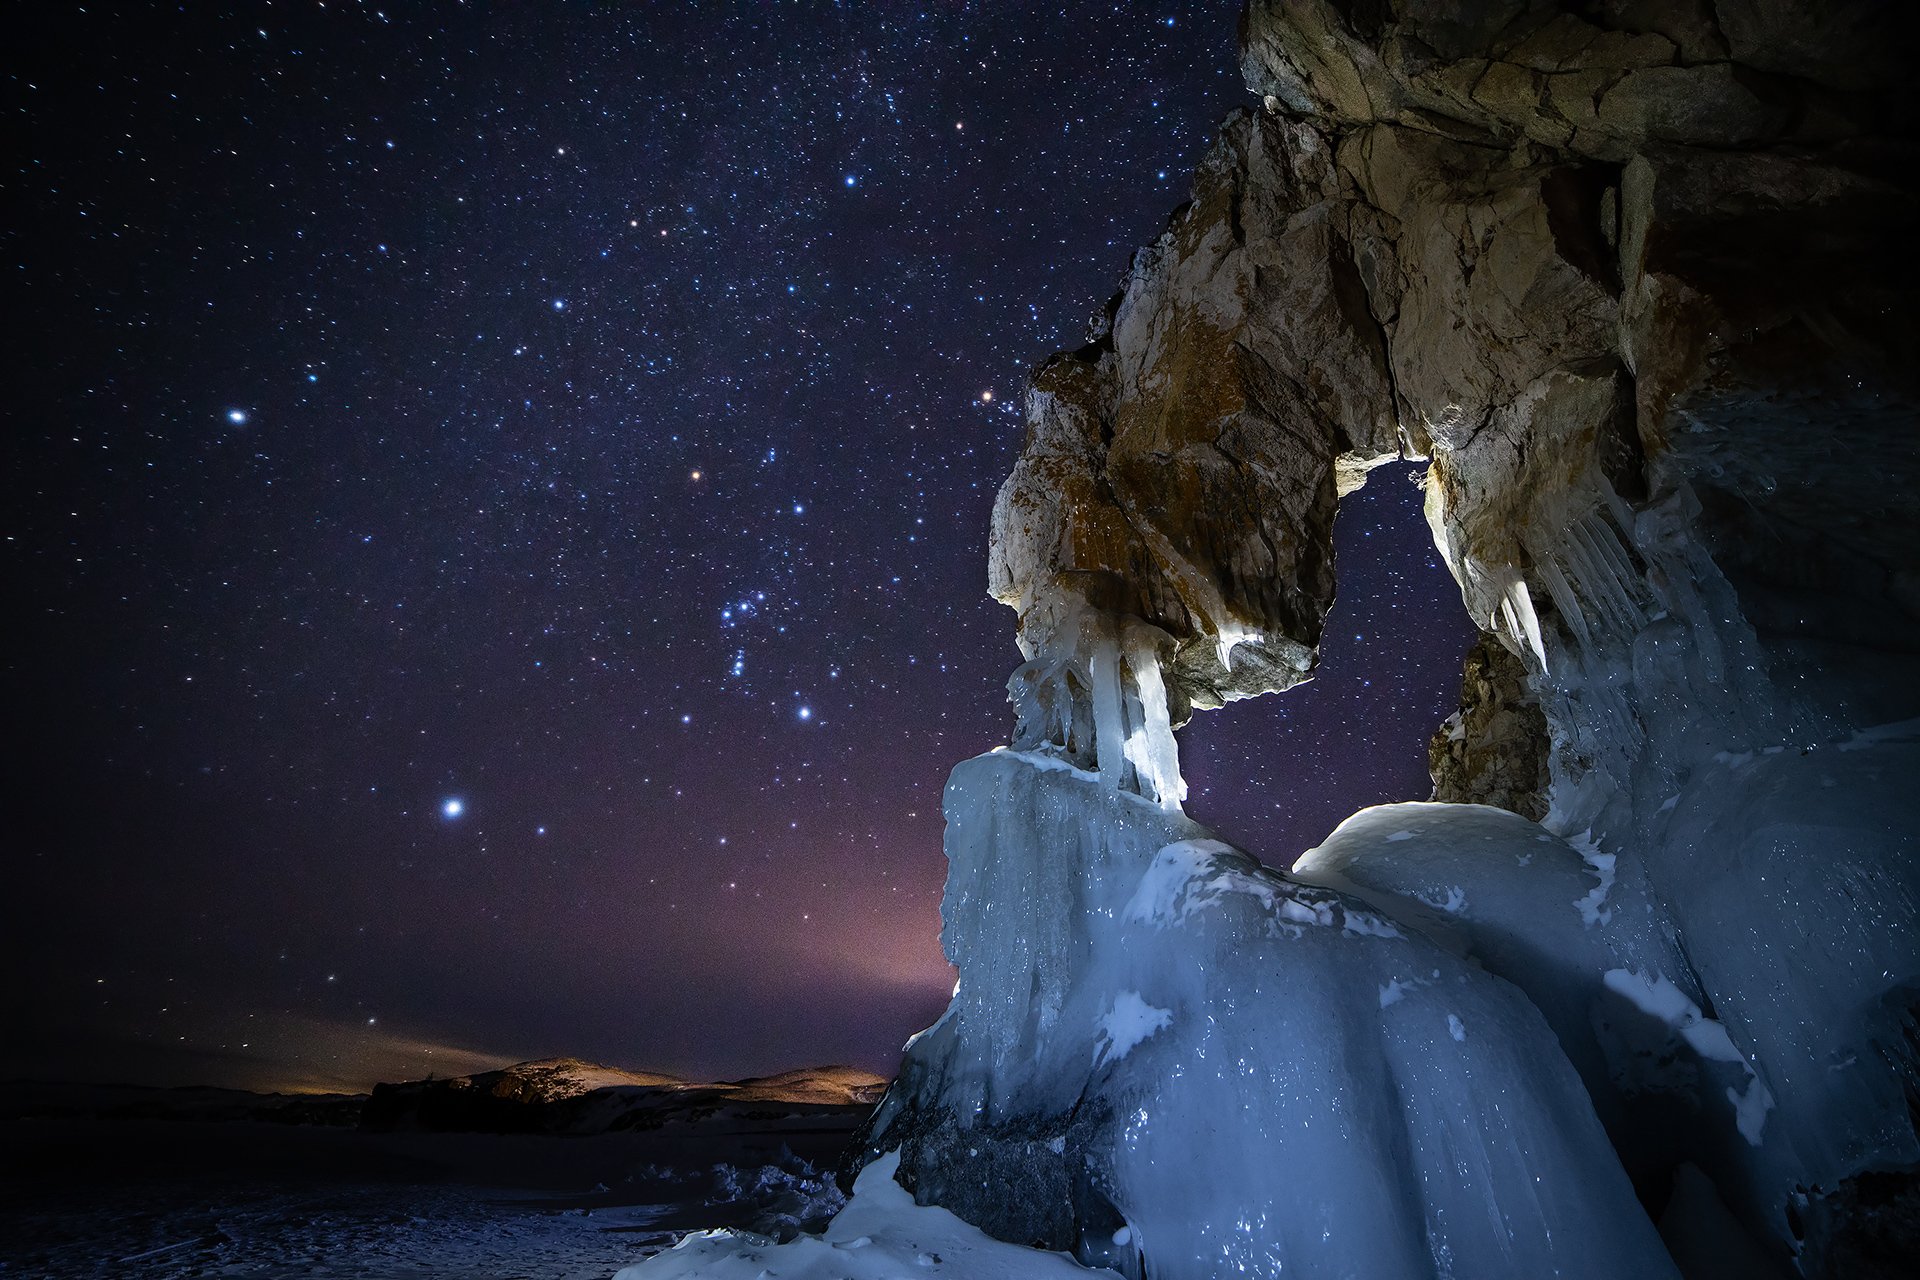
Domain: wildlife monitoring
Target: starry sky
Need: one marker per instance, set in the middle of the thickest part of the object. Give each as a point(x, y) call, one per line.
point(497, 525)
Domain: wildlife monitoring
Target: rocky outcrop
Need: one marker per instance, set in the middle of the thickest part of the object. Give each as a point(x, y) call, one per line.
point(1182, 468)
point(1619, 273)
point(1493, 750)
point(1634, 280)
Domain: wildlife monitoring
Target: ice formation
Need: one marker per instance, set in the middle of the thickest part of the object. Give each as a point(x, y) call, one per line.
point(1155, 1037)
point(880, 1235)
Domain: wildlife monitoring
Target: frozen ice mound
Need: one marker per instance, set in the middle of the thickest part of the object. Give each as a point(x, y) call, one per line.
point(1577, 929)
point(1736, 986)
point(881, 1235)
point(1174, 1061)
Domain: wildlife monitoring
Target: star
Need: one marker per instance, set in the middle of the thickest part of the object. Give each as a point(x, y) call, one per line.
point(508, 531)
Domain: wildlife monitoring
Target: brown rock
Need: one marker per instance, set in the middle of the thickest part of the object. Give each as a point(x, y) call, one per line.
point(1493, 750)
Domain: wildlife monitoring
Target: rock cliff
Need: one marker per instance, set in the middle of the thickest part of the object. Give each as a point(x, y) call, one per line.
point(1622, 272)
point(1632, 279)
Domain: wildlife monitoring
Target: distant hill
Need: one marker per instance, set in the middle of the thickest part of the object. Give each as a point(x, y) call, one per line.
point(568, 1096)
point(39, 1099)
point(552, 1095)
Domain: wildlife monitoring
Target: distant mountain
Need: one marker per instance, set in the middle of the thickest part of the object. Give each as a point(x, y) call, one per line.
point(568, 1096)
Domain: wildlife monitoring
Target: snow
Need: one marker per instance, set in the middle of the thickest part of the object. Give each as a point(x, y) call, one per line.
point(1130, 1021)
point(1659, 998)
point(1394, 992)
point(1155, 900)
point(881, 1235)
point(1593, 905)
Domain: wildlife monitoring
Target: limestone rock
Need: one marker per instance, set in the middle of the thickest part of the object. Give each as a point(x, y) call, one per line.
point(1493, 750)
point(1181, 468)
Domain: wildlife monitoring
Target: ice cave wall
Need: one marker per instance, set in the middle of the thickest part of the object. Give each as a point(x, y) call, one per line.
point(1633, 278)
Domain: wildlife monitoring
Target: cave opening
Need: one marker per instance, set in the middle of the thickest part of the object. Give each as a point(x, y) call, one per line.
point(1275, 774)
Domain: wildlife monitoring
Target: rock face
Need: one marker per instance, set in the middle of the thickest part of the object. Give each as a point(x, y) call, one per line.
point(1621, 274)
point(1493, 750)
point(1634, 278)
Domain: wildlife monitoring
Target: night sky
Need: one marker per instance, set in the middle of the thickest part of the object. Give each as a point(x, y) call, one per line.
point(496, 519)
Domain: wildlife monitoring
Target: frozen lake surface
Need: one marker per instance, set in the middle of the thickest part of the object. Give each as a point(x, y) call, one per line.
point(87, 1197)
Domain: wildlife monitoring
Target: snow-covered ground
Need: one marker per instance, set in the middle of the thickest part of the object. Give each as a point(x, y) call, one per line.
point(159, 1232)
point(160, 1199)
point(880, 1235)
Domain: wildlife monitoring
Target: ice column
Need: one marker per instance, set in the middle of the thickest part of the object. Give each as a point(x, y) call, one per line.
point(1093, 694)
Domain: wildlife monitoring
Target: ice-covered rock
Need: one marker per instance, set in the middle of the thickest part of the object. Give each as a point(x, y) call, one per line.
point(1793, 874)
point(1174, 1061)
point(1630, 278)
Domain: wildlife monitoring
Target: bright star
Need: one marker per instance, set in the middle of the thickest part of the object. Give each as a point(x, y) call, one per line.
point(453, 807)
point(238, 417)
point(559, 304)
point(851, 180)
point(806, 713)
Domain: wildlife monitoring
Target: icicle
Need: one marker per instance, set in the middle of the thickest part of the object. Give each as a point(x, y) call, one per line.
point(1565, 600)
point(1591, 580)
point(1109, 706)
point(1612, 577)
point(1151, 746)
point(1516, 607)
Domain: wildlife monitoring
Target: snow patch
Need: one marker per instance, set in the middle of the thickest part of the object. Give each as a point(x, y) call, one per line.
point(1897, 731)
point(1593, 908)
point(1656, 996)
point(1156, 900)
point(1453, 902)
point(1130, 1021)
